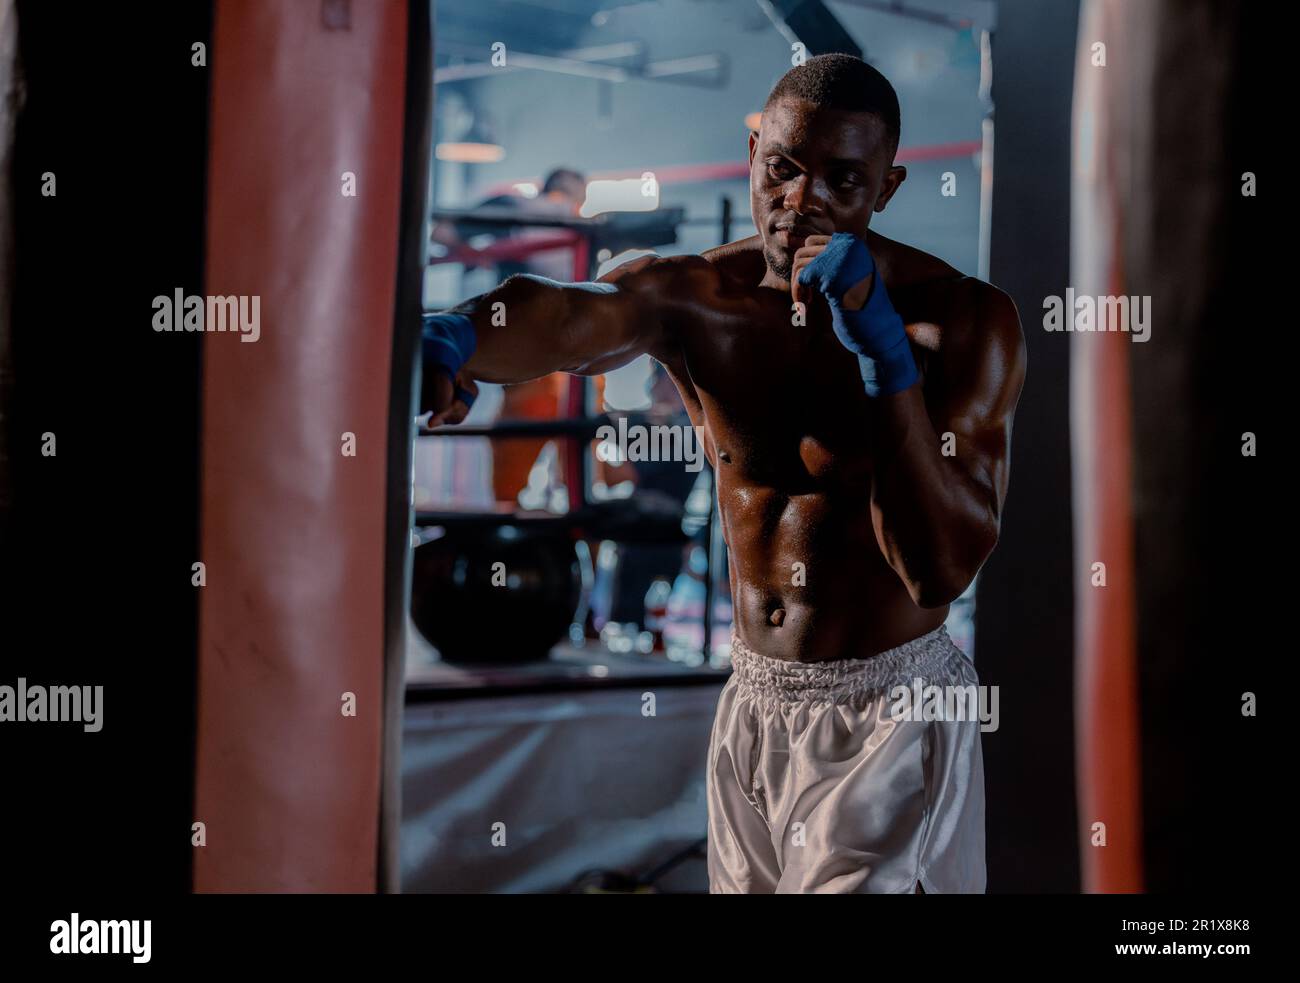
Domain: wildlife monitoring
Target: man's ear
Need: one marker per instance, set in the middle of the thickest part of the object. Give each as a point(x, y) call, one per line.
point(894, 177)
point(753, 146)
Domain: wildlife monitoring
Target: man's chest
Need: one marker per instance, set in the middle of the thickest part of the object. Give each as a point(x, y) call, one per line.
point(778, 392)
point(785, 408)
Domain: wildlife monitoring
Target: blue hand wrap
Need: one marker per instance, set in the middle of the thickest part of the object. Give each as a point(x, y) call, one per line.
point(464, 395)
point(875, 334)
point(448, 341)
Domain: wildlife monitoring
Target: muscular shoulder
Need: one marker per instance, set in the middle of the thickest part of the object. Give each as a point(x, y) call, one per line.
point(666, 281)
point(981, 355)
point(970, 312)
point(671, 290)
point(905, 267)
point(741, 261)
point(989, 319)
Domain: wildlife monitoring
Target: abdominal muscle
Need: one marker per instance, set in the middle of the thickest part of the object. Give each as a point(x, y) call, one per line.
point(809, 582)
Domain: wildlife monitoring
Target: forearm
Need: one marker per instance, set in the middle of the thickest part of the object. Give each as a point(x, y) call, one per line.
point(935, 516)
point(519, 331)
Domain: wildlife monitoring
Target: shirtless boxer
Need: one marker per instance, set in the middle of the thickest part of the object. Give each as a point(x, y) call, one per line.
point(849, 530)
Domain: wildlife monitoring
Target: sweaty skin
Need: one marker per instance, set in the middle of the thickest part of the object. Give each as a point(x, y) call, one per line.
point(848, 530)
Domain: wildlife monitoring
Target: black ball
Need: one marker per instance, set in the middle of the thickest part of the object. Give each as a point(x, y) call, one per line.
point(496, 595)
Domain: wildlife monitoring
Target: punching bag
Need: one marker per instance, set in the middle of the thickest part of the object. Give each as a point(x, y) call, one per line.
point(301, 501)
point(1166, 418)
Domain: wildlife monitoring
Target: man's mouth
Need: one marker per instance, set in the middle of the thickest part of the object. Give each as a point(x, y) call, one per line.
point(789, 233)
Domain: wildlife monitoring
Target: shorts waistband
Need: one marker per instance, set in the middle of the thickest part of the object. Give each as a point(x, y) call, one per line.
point(842, 680)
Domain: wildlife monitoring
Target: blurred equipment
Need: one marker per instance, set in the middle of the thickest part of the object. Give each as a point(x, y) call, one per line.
point(614, 231)
point(810, 23)
point(492, 588)
point(619, 882)
point(502, 587)
point(496, 593)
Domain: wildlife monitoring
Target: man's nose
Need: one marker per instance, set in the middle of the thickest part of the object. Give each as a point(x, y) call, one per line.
point(802, 196)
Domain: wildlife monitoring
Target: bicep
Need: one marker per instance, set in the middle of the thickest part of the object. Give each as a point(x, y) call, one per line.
point(609, 323)
point(531, 326)
point(621, 316)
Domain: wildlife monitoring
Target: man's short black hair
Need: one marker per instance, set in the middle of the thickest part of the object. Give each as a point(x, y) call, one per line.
point(561, 176)
point(842, 82)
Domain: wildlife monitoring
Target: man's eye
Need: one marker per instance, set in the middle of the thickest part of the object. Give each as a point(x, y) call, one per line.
point(780, 171)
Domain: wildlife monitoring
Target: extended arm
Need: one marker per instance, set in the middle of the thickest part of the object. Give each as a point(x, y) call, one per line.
point(530, 326)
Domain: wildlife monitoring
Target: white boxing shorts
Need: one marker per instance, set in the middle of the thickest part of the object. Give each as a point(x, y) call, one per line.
point(815, 787)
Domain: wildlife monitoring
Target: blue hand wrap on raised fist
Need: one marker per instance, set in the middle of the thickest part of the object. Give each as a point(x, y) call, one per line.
point(448, 341)
point(875, 334)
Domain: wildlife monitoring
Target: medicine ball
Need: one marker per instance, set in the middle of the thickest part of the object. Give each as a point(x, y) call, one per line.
point(496, 594)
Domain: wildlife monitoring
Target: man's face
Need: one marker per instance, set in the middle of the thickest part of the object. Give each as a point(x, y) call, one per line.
point(816, 172)
point(574, 191)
